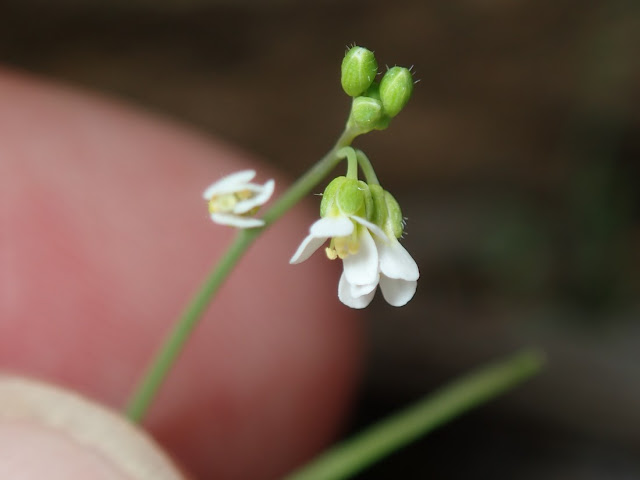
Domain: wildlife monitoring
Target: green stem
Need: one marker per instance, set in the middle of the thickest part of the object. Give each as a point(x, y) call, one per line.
point(472, 390)
point(168, 352)
point(367, 168)
point(352, 161)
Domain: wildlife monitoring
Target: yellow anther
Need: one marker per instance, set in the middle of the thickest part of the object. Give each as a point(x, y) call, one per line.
point(222, 203)
point(340, 246)
point(331, 253)
point(244, 194)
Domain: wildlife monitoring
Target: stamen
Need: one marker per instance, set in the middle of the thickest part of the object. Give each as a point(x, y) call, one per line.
point(341, 247)
point(244, 194)
point(227, 202)
point(222, 203)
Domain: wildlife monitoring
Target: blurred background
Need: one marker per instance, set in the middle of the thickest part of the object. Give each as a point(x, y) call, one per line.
point(516, 163)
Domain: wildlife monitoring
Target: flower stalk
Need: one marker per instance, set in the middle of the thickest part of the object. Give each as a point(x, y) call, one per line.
point(234, 200)
point(168, 352)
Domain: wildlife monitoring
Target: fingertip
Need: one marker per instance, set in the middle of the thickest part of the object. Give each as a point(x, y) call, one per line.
point(47, 432)
point(109, 240)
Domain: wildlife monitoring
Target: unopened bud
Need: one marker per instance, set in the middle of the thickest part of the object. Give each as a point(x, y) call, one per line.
point(396, 88)
point(367, 113)
point(359, 69)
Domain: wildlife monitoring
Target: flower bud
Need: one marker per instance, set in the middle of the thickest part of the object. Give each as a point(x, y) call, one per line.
point(359, 69)
point(395, 90)
point(367, 113)
point(373, 91)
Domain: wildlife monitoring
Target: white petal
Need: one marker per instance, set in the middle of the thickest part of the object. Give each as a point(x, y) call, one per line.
point(373, 228)
point(345, 296)
point(397, 292)
point(263, 193)
point(230, 183)
point(395, 261)
point(362, 268)
point(309, 245)
point(359, 290)
point(332, 227)
point(235, 221)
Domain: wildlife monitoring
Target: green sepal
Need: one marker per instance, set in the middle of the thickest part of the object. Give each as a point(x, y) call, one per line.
point(327, 205)
point(373, 91)
point(346, 196)
point(395, 221)
point(378, 214)
point(368, 200)
point(350, 198)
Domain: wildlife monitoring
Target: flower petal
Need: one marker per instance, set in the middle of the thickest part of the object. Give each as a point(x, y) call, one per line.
point(332, 227)
point(235, 221)
point(360, 290)
point(372, 227)
point(229, 184)
point(395, 261)
point(309, 245)
point(345, 296)
point(362, 268)
point(263, 193)
point(397, 292)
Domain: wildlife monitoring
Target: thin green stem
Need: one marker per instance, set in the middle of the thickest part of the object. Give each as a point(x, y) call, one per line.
point(168, 352)
point(367, 168)
point(472, 390)
point(352, 161)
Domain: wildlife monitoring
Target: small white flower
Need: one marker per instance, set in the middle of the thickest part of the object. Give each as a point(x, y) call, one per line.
point(397, 275)
point(233, 199)
point(368, 260)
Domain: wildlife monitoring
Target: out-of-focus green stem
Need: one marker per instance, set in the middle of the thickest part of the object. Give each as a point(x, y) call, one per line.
point(387, 436)
point(367, 168)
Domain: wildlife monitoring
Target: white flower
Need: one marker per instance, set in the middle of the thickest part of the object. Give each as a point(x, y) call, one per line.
point(368, 260)
point(397, 275)
point(232, 199)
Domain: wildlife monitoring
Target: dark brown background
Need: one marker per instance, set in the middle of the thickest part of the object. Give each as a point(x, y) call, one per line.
point(516, 163)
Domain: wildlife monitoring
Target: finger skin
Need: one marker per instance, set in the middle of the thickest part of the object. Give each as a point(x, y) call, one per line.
point(104, 238)
point(50, 433)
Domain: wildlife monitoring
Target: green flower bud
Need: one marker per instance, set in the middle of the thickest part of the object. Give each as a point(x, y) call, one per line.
point(395, 90)
point(346, 196)
point(359, 69)
point(367, 113)
point(373, 91)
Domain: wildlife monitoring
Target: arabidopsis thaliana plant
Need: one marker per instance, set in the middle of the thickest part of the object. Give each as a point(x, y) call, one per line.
point(234, 199)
